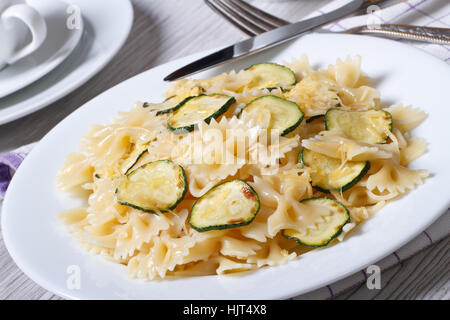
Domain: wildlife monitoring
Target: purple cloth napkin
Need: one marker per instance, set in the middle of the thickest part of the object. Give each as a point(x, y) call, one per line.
point(9, 163)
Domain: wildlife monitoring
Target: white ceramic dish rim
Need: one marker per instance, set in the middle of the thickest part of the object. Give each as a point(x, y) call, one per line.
point(373, 255)
point(25, 107)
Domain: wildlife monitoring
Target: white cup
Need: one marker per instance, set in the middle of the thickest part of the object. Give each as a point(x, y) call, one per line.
point(18, 21)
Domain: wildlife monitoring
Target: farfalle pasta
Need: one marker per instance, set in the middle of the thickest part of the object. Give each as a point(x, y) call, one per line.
point(249, 186)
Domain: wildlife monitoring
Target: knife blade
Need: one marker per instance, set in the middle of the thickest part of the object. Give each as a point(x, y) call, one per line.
point(267, 40)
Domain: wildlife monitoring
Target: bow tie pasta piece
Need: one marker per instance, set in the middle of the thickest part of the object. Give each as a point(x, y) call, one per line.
point(335, 145)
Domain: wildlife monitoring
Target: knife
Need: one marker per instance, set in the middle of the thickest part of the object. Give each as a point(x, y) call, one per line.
point(268, 39)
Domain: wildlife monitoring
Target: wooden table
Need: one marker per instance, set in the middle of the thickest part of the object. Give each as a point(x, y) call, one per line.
point(166, 30)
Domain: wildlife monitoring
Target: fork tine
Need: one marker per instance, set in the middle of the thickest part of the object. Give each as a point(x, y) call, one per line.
point(219, 11)
point(246, 26)
point(248, 15)
point(277, 22)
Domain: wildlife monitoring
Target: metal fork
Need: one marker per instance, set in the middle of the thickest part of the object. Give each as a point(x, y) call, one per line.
point(254, 21)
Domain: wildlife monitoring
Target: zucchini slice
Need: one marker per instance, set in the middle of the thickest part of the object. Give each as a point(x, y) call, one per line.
point(329, 174)
point(337, 217)
point(155, 186)
point(228, 205)
point(169, 105)
point(194, 110)
point(313, 118)
point(366, 126)
point(285, 115)
point(270, 75)
point(135, 155)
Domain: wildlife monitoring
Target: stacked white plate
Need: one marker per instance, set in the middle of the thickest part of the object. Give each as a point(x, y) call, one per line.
point(69, 56)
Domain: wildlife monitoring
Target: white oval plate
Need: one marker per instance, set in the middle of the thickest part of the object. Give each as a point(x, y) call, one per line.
point(45, 252)
point(58, 45)
point(100, 42)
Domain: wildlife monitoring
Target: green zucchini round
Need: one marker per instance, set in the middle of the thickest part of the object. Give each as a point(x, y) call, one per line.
point(153, 187)
point(328, 173)
point(270, 75)
point(228, 205)
point(168, 105)
point(327, 230)
point(311, 119)
point(194, 110)
point(133, 158)
point(286, 115)
point(359, 125)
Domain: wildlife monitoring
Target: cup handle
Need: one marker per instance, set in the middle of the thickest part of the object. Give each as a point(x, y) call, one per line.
point(34, 21)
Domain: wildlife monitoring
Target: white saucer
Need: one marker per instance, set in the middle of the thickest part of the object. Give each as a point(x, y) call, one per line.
point(106, 27)
point(60, 42)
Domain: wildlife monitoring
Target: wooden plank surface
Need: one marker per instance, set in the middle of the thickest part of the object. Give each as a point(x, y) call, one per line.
point(166, 30)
